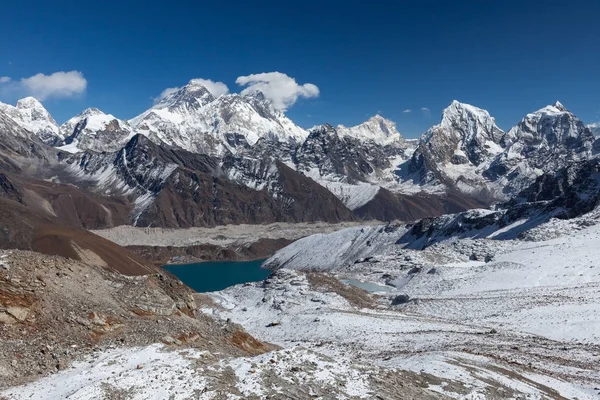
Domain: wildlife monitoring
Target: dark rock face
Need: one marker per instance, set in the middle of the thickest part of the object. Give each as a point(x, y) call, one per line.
point(400, 299)
point(20, 150)
point(388, 206)
point(567, 193)
point(346, 157)
point(574, 189)
point(186, 189)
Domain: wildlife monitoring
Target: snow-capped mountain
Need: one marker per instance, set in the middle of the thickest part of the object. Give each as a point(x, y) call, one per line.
point(21, 150)
point(453, 152)
point(94, 130)
point(193, 119)
point(468, 152)
point(464, 161)
point(547, 140)
point(30, 114)
point(377, 129)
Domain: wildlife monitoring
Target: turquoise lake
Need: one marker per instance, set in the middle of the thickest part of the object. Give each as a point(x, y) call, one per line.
point(211, 276)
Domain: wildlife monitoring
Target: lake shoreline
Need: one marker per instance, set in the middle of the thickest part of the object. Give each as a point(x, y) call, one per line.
point(212, 276)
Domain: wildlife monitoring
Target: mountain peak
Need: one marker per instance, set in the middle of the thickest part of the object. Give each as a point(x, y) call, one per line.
point(558, 105)
point(457, 108)
point(29, 102)
point(187, 98)
point(31, 115)
point(555, 109)
point(376, 128)
point(258, 95)
point(90, 111)
point(459, 114)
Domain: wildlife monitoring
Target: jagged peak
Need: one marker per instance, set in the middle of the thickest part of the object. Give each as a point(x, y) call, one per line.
point(465, 123)
point(458, 113)
point(456, 109)
point(558, 105)
point(323, 128)
point(552, 110)
point(90, 111)
point(257, 94)
point(29, 102)
point(193, 92)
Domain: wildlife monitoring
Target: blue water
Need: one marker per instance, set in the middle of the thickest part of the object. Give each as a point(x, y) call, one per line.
point(211, 276)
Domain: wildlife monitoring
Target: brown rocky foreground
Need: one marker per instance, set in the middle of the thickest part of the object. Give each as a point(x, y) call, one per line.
point(54, 310)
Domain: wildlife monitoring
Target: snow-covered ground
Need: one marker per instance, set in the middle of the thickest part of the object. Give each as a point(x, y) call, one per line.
point(526, 322)
point(157, 372)
point(471, 317)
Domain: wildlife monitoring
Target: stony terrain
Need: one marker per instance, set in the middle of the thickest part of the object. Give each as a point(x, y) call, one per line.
point(74, 331)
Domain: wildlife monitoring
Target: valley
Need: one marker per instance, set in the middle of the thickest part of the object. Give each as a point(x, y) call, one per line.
point(459, 265)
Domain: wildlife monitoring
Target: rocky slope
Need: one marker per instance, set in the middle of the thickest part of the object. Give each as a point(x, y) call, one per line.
point(176, 188)
point(27, 229)
point(94, 130)
point(71, 330)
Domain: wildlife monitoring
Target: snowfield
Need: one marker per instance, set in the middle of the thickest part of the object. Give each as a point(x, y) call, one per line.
point(489, 318)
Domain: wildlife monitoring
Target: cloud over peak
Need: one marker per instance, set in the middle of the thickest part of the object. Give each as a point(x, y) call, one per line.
point(215, 88)
point(57, 85)
point(280, 89)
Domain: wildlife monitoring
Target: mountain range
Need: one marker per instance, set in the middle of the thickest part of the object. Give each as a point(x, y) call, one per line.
point(194, 159)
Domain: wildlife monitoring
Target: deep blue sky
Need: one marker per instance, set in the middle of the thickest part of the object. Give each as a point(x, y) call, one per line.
point(510, 57)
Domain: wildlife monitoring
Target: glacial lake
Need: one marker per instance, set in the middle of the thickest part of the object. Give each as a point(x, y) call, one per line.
point(210, 276)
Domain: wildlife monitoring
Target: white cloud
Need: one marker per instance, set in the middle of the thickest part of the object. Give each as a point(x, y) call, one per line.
point(165, 93)
point(425, 109)
point(215, 88)
point(407, 111)
point(58, 85)
point(279, 88)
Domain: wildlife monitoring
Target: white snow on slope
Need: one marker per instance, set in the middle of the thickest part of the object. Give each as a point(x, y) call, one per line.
point(31, 115)
point(377, 129)
point(326, 322)
point(334, 251)
point(192, 119)
point(157, 373)
point(94, 130)
point(534, 310)
point(352, 195)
